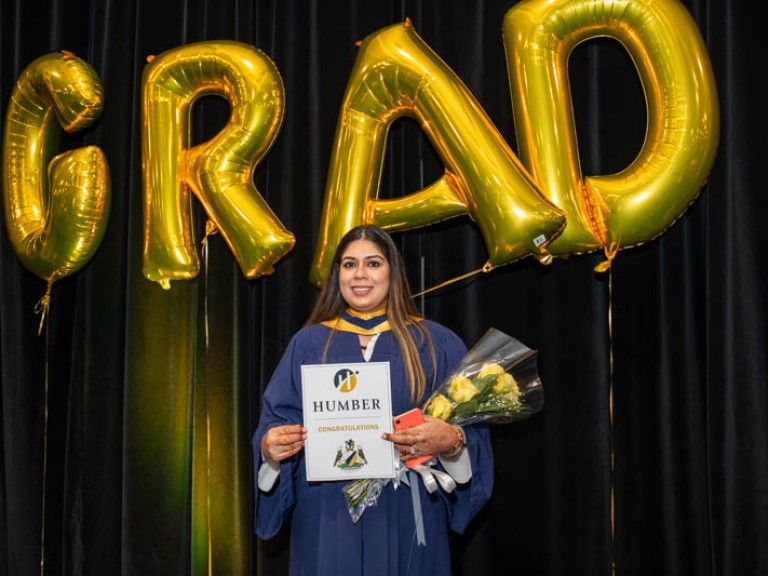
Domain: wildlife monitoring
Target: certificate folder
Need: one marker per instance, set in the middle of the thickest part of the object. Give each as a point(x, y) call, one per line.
point(347, 407)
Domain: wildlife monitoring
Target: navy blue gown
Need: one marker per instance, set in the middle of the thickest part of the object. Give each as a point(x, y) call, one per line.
point(324, 540)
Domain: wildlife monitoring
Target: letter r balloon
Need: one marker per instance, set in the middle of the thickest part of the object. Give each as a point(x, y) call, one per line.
point(219, 172)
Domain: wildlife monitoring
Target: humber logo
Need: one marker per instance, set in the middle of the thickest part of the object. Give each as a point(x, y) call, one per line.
point(345, 380)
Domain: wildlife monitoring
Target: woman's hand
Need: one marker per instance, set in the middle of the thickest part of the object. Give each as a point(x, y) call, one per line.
point(282, 442)
point(433, 436)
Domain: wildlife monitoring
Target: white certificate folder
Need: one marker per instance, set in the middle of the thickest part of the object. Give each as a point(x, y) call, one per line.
point(347, 407)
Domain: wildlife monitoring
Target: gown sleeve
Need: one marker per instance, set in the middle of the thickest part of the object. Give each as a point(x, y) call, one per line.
point(466, 501)
point(281, 404)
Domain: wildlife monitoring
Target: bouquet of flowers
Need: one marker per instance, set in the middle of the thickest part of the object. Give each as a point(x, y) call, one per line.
point(496, 382)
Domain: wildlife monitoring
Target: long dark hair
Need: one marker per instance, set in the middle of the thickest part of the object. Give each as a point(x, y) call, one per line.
point(402, 312)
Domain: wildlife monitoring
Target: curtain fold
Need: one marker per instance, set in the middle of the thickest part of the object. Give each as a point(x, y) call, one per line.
point(126, 423)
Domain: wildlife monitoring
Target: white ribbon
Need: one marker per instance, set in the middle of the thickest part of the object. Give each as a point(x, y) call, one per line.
point(429, 474)
point(402, 477)
point(431, 478)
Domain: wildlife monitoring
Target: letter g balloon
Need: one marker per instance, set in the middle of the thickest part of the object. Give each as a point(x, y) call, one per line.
point(56, 207)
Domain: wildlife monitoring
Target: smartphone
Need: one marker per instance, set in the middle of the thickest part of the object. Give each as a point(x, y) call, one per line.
point(412, 417)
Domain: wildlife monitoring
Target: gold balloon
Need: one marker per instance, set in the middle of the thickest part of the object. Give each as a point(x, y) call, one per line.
point(397, 74)
point(642, 200)
point(220, 171)
point(56, 208)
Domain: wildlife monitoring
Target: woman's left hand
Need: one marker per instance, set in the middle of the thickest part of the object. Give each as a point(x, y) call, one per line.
point(433, 436)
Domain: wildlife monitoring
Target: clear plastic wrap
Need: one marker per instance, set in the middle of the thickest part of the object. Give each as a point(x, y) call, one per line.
point(496, 382)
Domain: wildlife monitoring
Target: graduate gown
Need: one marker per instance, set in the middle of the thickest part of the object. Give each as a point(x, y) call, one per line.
point(324, 540)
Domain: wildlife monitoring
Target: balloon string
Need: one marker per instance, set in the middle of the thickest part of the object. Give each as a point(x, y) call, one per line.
point(210, 230)
point(610, 412)
point(45, 433)
point(606, 266)
point(485, 268)
point(208, 487)
point(43, 306)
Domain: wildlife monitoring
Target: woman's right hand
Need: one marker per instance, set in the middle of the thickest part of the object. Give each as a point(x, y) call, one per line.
point(282, 442)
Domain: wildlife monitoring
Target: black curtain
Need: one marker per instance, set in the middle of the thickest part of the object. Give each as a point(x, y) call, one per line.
point(651, 454)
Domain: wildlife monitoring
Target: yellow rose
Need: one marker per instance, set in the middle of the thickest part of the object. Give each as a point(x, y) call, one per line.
point(489, 369)
point(461, 389)
point(440, 407)
point(507, 385)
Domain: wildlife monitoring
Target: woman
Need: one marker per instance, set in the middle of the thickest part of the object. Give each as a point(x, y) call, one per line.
point(365, 312)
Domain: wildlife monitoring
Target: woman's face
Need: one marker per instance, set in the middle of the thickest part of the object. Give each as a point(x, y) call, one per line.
point(364, 276)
